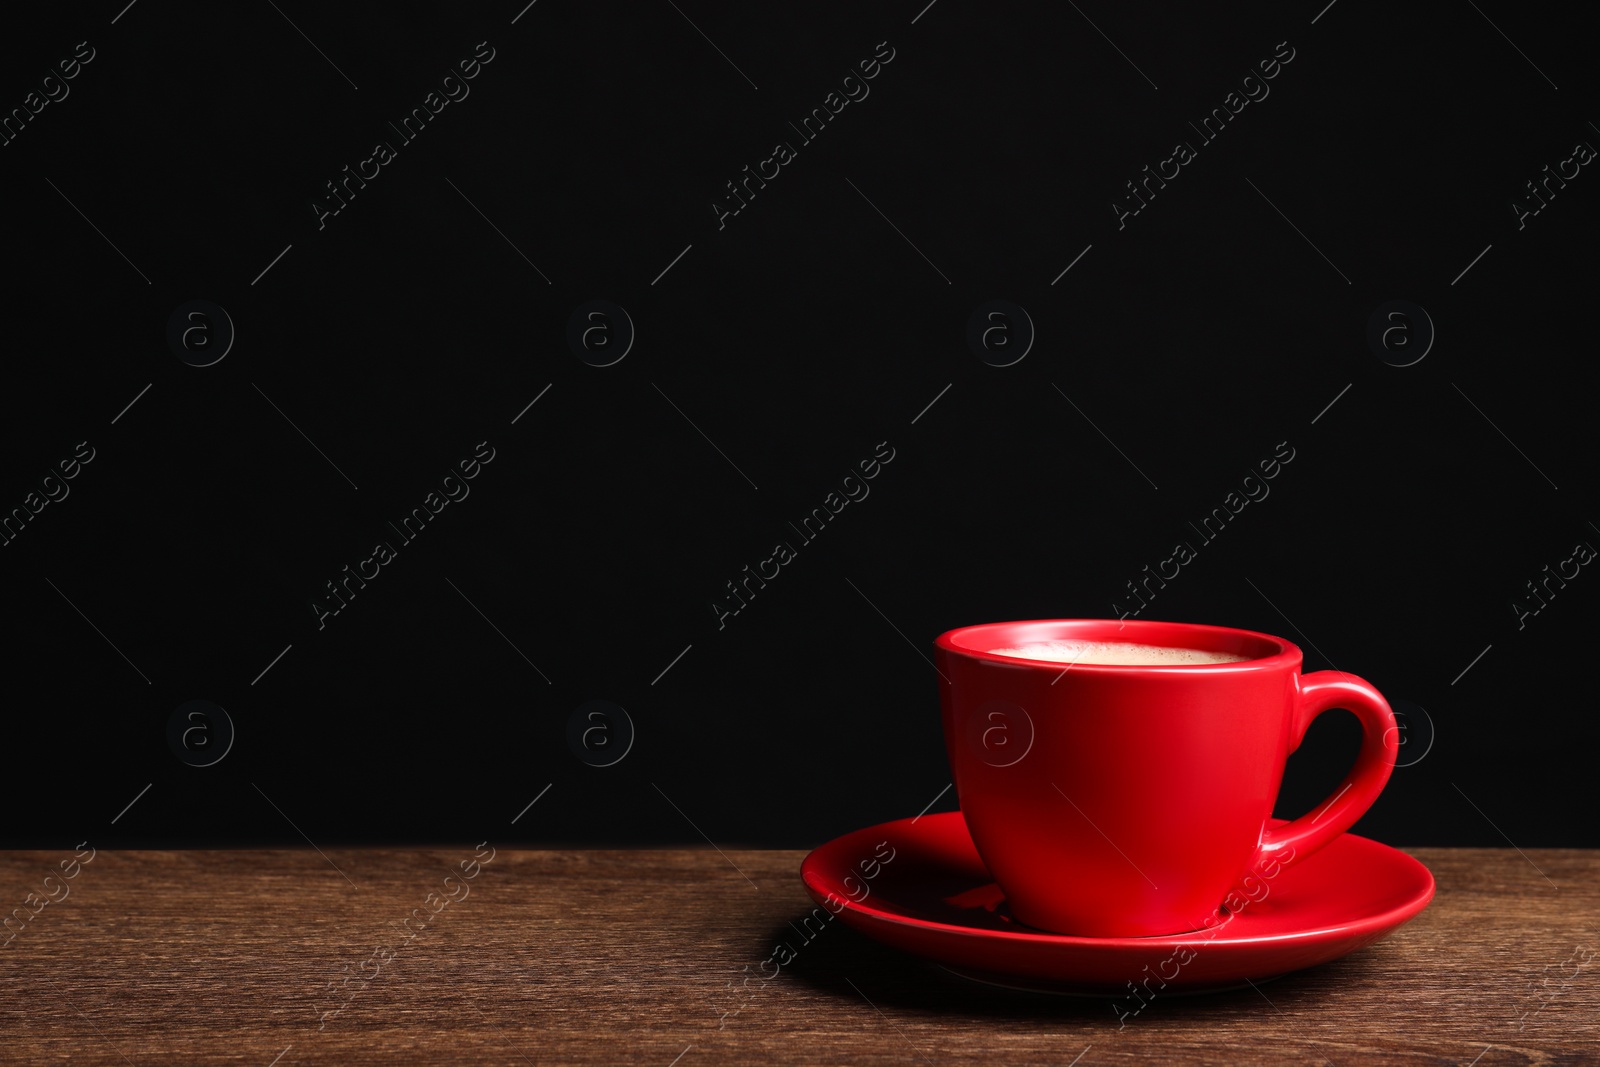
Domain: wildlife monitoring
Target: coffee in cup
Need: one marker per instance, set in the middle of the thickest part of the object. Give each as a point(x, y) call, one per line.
point(1127, 652)
point(1117, 777)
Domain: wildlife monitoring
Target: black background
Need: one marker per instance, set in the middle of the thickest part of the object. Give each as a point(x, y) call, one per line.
point(1221, 320)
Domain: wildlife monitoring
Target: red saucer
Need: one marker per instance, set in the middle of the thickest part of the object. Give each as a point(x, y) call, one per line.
point(934, 898)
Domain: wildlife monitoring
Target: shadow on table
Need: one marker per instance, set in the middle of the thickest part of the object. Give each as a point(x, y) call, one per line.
point(844, 963)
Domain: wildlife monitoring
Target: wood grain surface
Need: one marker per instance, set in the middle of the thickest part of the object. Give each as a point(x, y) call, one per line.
point(293, 957)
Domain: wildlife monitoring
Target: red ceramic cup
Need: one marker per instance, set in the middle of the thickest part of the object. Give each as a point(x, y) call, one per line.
point(1130, 801)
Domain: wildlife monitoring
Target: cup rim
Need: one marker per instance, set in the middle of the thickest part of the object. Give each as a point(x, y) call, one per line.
point(1279, 653)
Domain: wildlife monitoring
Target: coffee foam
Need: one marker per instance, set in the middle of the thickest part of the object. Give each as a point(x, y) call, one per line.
point(1125, 653)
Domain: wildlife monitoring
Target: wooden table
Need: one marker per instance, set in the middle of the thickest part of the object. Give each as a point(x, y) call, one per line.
point(529, 957)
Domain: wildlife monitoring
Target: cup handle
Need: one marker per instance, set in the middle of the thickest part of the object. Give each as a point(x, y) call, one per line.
point(1319, 692)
